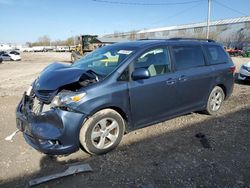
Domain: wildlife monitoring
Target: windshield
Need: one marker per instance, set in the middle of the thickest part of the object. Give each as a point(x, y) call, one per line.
point(104, 60)
point(14, 52)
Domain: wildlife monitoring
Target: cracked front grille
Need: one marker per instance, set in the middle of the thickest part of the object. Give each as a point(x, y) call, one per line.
point(45, 96)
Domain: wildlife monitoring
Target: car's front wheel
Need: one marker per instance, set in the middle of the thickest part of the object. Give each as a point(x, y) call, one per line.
point(102, 132)
point(215, 100)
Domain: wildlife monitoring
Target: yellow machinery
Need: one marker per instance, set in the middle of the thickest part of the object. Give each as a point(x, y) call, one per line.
point(86, 45)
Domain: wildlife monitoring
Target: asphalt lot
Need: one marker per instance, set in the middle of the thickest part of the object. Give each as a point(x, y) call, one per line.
point(164, 155)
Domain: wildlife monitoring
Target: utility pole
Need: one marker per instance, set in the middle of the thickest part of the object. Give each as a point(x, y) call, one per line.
point(208, 17)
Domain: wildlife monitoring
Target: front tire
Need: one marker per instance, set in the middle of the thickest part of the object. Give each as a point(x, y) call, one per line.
point(215, 100)
point(102, 132)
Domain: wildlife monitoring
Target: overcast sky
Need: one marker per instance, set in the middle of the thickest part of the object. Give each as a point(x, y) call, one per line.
point(26, 20)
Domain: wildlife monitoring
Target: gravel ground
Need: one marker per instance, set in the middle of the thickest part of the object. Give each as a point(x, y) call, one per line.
point(164, 155)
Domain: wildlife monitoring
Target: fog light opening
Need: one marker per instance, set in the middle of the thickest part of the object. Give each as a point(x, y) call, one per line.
point(54, 142)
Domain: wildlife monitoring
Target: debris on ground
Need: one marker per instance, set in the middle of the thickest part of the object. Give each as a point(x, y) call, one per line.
point(11, 136)
point(74, 169)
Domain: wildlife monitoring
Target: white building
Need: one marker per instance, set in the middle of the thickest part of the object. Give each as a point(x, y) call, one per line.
point(6, 47)
point(221, 30)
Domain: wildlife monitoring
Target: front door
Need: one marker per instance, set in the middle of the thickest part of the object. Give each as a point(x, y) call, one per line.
point(154, 98)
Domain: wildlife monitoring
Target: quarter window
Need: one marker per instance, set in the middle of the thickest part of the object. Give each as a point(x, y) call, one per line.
point(216, 55)
point(188, 57)
point(124, 76)
point(157, 61)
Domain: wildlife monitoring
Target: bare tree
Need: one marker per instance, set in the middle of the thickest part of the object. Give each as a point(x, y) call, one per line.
point(132, 35)
point(240, 36)
point(227, 41)
point(69, 41)
point(117, 34)
point(29, 44)
point(44, 40)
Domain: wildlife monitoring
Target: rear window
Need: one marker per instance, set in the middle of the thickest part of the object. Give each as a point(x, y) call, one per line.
point(188, 57)
point(216, 55)
point(14, 52)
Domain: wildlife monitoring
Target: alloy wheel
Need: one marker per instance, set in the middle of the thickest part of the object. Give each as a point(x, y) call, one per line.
point(216, 100)
point(105, 133)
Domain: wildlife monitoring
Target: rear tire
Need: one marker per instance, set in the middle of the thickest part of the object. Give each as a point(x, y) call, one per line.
point(215, 100)
point(102, 132)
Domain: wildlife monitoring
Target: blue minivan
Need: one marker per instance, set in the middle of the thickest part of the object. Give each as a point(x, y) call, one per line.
point(119, 88)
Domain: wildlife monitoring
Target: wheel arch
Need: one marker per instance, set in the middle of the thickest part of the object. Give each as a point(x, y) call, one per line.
point(223, 87)
point(119, 110)
point(84, 144)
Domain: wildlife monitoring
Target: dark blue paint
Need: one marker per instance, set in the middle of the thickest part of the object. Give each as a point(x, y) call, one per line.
point(57, 75)
point(140, 74)
point(55, 124)
point(142, 102)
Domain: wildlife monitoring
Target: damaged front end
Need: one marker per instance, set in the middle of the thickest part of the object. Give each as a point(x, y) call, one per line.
point(48, 118)
point(48, 130)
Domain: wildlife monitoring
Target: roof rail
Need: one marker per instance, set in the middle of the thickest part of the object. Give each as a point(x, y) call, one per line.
point(198, 39)
point(152, 39)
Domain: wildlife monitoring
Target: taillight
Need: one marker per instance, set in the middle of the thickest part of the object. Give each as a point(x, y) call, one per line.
point(232, 69)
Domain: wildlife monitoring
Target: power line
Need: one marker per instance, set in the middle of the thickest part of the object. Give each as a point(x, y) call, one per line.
point(225, 6)
point(144, 4)
point(180, 12)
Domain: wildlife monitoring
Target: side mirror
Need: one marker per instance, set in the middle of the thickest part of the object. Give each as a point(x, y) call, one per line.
point(140, 73)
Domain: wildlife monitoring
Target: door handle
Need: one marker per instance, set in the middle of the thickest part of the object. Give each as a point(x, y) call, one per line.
point(182, 78)
point(170, 81)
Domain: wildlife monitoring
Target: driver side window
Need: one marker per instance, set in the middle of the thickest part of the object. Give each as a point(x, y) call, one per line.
point(156, 61)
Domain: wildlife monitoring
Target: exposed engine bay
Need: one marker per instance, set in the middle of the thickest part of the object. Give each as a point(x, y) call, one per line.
point(40, 100)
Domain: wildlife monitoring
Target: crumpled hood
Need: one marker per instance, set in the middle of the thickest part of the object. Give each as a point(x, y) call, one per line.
point(56, 75)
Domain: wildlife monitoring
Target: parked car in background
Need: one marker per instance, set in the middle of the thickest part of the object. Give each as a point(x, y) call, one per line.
point(6, 57)
point(11, 56)
point(234, 51)
point(15, 55)
point(27, 49)
point(62, 49)
point(48, 48)
point(119, 88)
point(38, 48)
point(14, 52)
point(244, 73)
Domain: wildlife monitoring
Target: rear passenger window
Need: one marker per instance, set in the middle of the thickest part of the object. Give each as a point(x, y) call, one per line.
point(188, 57)
point(216, 55)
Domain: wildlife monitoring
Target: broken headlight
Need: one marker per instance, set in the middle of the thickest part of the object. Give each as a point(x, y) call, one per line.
point(65, 98)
